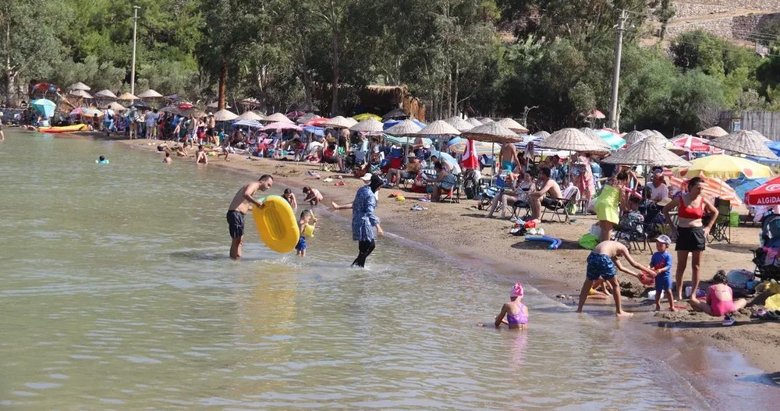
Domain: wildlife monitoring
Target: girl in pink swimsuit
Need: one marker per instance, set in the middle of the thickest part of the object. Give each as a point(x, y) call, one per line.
point(720, 300)
point(515, 311)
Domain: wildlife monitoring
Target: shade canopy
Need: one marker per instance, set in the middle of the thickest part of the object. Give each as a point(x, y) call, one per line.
point(79, 86)
point(724, 166)
point(215, 104)
point(745, 142)
point(438, 128)
point(338, 122)
point(459, 123)
point(572, 139)
point(396, 113)
point(767, 194)
point(513, 125)
point(713, 132)
point(80, 93)
point(404, 128)
point(116, 107)
point(225, 115)
point(127, 96)
point(105, 94)
point(593, 135)
point(541, 134)
point(694, 144)
point(276, 118)
point(492, 133)
point(248, 123)
point(712, 188)
point(251, 101)
point(595, 114)
point(282, 125)
point(368, 125)
point(249, 115)
point(44, 107)
point(366, 116)
point(474, 122)
point(150, 94)
point(634, 137)
point(645, 152)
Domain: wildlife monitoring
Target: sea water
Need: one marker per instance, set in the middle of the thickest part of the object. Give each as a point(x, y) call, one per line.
point(116, 293)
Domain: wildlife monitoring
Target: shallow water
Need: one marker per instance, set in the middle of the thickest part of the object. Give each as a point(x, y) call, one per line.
point(116, 292)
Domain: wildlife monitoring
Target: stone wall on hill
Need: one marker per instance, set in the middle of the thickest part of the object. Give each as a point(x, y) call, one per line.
point(730, 19)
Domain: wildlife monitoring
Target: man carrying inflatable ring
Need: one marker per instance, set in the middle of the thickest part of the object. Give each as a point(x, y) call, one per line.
point(238, 209)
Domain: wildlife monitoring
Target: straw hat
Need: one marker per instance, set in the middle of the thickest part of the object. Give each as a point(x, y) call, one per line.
point(646, 152)
point(250, 115)
point(591, 133)
point(369, 125)
point(492, 133)
point(744, 142)
point(150, 94)
point(573, 140)
point(713, 132)
point(633, 137)
point(225, 115)
point(513, 125)
point(406, 127)
point(459, 123)
point(277, 118)
point(438, 128)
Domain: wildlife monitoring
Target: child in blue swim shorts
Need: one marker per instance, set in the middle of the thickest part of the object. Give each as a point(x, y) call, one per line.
point(603, 264)
point(306, 223)
point(661, 263)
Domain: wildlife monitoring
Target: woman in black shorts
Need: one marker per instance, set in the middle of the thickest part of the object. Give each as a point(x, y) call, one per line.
point(690, 232)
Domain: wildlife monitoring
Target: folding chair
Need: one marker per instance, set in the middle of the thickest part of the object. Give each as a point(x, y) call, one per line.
point(721, 230)
point(453, 194)
point(560, 207)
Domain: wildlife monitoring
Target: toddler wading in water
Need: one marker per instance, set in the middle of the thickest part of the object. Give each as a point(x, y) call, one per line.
point(306, 222)
point(515, 311)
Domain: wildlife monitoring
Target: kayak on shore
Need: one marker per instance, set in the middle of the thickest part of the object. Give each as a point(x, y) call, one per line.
point(63, 129)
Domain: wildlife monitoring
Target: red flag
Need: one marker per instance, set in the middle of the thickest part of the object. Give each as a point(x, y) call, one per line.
point(469, 158)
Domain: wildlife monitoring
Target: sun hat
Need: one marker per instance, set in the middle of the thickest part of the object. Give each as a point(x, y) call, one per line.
point(366, 177)
point(517, 290)
point(663, 239)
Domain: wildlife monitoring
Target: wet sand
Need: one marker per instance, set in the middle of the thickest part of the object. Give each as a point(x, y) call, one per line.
point(463, 232)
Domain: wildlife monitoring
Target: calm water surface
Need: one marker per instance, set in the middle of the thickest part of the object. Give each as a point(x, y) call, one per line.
point(116, 293)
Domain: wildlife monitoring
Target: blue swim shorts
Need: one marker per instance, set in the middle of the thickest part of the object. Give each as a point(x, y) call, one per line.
point(301, 246)
point(600, 265)
point(663, 282)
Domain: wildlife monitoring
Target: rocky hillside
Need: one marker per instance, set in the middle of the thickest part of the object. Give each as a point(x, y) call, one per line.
point(739, 20)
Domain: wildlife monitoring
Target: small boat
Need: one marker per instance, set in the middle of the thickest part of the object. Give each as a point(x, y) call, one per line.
point(63, 129)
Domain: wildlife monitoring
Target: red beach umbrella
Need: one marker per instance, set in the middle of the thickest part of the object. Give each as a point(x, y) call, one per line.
point(767, 194)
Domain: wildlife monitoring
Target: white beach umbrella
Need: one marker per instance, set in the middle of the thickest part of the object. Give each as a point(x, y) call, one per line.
point(277, 118)
point(404, 128)
point(150, 94)
point(713, 132)
point(438, 128)
point(513, 125)
point(250, 115)
point(744, 142)
point(572, 139)
point(646, 152)
point(225, 115)
point(459, 123)
point(369, 125)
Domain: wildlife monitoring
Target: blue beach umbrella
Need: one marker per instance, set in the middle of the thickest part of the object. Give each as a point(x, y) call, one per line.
point(44, 107)
point(391, 123)
point(611, 139)
point(743, 184)
point(248, 123)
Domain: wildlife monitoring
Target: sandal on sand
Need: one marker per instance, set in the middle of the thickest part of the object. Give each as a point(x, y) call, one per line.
point(417, 207)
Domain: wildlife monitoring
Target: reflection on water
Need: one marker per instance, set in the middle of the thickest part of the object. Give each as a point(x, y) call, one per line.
point(116, 291)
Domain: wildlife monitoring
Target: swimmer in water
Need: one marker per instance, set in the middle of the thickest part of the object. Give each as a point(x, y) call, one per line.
point(167, 159)
point(515, 311)
point(102, 160)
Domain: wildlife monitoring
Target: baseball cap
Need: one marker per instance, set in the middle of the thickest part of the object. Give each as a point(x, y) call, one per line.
point(658, 170)
point(366, 177)
point(663, 239)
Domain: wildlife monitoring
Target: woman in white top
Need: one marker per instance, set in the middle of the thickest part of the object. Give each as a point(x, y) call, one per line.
point(659, 191)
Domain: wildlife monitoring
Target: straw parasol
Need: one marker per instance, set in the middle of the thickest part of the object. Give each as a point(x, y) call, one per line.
point(251, 102)
point(713, 132)
point(192, 112)
point(492, 133)
point(438, 128)
point(404, 128)
point(80, 93)
point(369, 125)
point(761, 136)
point(485, 120)
point(573, 140)
point(79, 86)
point(645, 152)
point(249, 115)
point(351, 121)
point(127, 96)
point(591, 133)
point(306, 118)
point(225, 115)
point(541, 135)
point(277, 118)
point(657, 139)
point(338, 122)
point(215, 104)
point(116, 107)
point(744, 142)
point(474, 122)
point(105, 94)
point(513, 125)
point(634, 137)
point(150, 94)
point(459, 123)
point(170, 109)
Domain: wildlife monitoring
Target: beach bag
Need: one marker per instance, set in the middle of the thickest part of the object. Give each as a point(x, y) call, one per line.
point(588, 241)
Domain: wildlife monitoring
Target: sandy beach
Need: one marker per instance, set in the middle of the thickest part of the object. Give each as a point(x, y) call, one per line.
point(462, 232)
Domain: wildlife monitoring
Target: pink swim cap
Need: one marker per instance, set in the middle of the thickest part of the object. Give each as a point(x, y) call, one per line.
point(517, 290)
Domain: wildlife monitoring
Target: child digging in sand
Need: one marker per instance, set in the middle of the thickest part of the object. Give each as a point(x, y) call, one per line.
point(515, 311)
point(603, 263)
point(661, 263)
point(306, 222)
point(720, 300)
point(313, 196)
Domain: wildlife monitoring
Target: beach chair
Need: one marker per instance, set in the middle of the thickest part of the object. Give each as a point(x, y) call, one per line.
point(721, 230)
point(560, 208)
point(632, 232)
point(453, 194)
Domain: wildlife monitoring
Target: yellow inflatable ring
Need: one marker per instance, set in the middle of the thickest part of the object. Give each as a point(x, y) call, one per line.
point(276, 224)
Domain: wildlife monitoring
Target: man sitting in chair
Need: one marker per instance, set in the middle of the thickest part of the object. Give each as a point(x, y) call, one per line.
point(444, 182)
point(413, 167)
point(546, 196)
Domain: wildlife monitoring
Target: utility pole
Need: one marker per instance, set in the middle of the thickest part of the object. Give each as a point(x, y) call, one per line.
point(614, 118)
point(132, 69)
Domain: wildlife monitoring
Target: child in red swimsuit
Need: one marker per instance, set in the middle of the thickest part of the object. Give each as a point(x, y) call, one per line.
point(720, 300)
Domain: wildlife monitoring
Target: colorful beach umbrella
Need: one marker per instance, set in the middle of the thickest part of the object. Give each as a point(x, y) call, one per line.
point(723, 166)
point(282, 125)
point(767, 194)
point(694, 144)
point(712, 188)
point(44, 107)
point(366, 116)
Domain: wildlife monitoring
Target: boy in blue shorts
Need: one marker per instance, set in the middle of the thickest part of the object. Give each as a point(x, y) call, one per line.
point(661, 263)
point(603, 263)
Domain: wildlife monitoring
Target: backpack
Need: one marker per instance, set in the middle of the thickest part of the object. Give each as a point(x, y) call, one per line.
point(470, 184)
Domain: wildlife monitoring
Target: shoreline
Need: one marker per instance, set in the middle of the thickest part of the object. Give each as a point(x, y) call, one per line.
point(461, 233)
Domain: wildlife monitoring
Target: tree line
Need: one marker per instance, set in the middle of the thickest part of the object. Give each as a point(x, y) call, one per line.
point(481, 57)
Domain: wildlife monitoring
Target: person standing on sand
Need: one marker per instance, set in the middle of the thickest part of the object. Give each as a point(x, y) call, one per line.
point(364, 220)
point(603, 263)
point(508, 158)
point(238, 209)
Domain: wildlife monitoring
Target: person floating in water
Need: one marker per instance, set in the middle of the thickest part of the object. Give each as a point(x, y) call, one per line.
point(515, 311)
point(603, 263)
point(102, 160)
point(306, 223)
point(238, 209)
